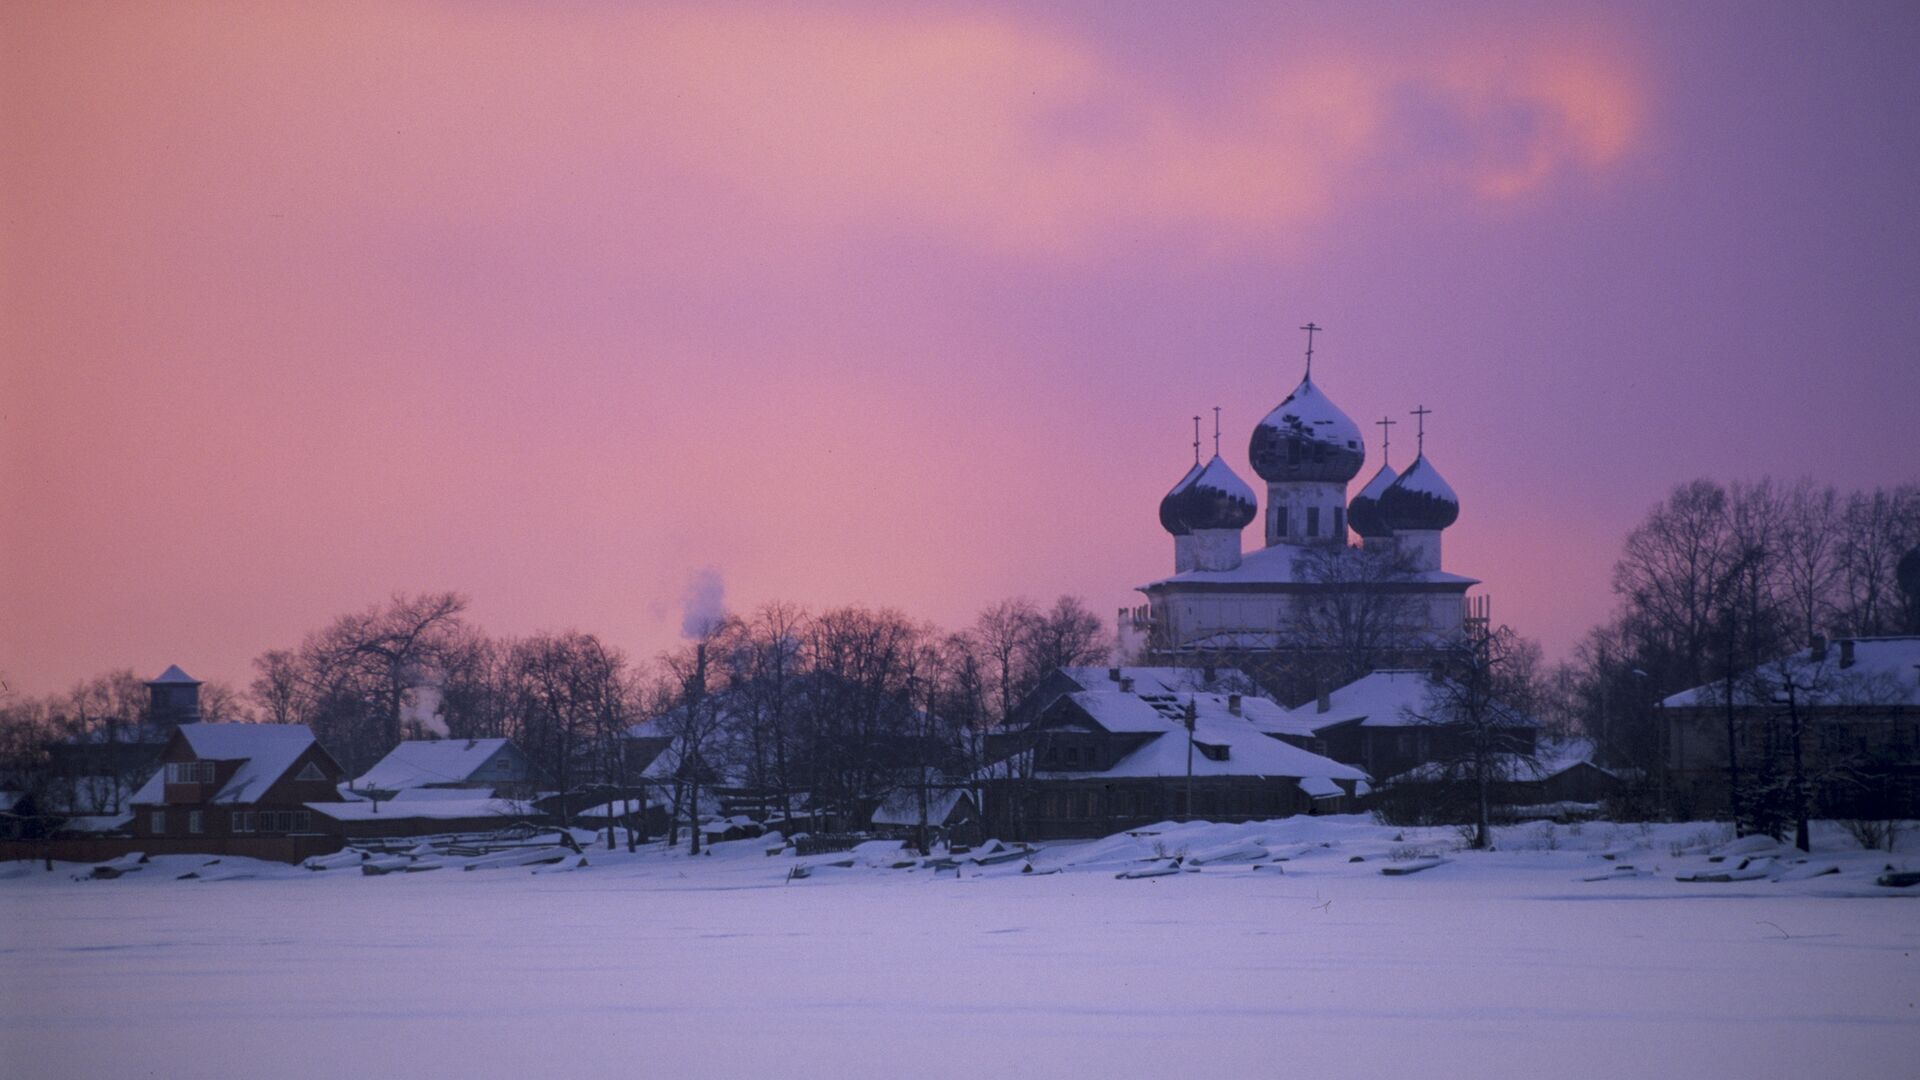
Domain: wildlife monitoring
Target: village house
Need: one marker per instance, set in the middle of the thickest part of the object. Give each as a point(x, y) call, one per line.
point(1856, 703)
point(1386, 722)
point(450, 768)
point(1096, 762)
point(239, 789)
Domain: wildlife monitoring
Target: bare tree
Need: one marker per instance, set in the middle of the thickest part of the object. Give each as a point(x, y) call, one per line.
point(1483, 708)
point(1354, 619)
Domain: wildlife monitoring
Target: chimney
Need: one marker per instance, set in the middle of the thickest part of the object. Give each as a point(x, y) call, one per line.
point(1819, 648)
point(1113, 674)
point(1324, 702)
point(1233, 704)
point(1846, 652)
point(1126, 685)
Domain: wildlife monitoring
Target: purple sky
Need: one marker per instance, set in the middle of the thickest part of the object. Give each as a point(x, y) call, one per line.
point(562, 306)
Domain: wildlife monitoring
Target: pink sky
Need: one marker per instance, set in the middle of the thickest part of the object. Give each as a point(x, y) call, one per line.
point(560, 304)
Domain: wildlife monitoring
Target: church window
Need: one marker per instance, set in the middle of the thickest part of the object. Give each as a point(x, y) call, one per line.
point(1319, 452)
point(1313, 521)
point(1293, 451)
point(1339, 521)
point(1280, 521)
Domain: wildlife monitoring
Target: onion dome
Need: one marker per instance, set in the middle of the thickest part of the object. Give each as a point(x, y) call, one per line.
point(1307, 437)
point(1419, 499)
point(1907, 573)
point(1170, 505)
point(1363, 513)
point(1217, 499)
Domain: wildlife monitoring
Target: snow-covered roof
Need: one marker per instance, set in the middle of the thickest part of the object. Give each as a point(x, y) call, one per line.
point(418, 762)
point(429, 809)
point(1554, 756)
point(1885, 671)
point(173, 674)
point(266, 752)
point(903, 806)
point(1319, 787)
point(1250, 751)
point(1387, 698)
point(1120, 712)
point(1280, 565)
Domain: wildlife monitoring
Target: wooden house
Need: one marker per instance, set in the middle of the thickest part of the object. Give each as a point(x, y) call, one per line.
point(1100, 761)
point(479, 767)
point(240, 789)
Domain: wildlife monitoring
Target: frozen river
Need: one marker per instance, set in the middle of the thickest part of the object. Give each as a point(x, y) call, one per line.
point(1502, 964)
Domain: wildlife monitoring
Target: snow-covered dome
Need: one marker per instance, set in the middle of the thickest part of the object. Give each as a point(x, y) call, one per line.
point(1419, 499)
point(1170, 505)
point(1307, 437)
point(1217, 499)
point(1363, 513)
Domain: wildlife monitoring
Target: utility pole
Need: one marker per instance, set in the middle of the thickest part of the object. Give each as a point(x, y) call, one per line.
point(1190, 719)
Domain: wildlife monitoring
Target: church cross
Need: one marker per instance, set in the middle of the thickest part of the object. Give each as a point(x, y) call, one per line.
point(1196, 440)
point(1422, 412)
point(1310, 329)
point(1386, 436)
point(1216, 431)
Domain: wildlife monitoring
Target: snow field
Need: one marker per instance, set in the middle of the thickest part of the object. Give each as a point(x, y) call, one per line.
point(657, 964)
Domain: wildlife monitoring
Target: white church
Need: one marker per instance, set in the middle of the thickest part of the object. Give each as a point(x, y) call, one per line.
point(1226, 601)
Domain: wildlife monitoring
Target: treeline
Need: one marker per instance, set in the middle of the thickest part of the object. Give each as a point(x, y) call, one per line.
point(1719, 580)
point(844, 705)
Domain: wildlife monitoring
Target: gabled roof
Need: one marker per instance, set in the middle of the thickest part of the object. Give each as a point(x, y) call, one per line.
point(903, 806)
point(1250, 751)
point(1377, 699)
point(266, 752)
point(418, 762)
point(1885, 671)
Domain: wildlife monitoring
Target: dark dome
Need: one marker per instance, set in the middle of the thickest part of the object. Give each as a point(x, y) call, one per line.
point(1419, 499)
point(1908, 574)
point(1363, 513)
point(1307, 437)
point(1170, 505)
point(1217, 499)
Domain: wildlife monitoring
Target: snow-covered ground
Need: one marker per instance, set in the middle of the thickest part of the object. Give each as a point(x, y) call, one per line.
point(1508, 963)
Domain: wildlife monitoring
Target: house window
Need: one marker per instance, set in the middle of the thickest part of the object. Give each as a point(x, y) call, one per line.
point(193, 822)
point(1313, 521)
point(242, 821)
point(190, 772)
point(157, 822)
point(1072, 755)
